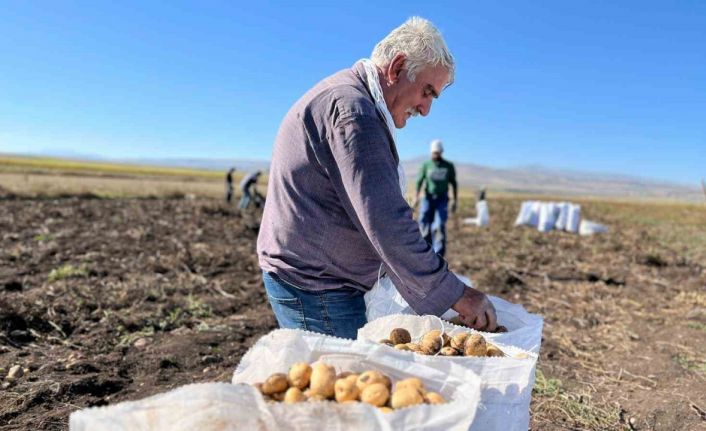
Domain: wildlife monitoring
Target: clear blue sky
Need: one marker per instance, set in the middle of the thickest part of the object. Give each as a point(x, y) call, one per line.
point(590, 85)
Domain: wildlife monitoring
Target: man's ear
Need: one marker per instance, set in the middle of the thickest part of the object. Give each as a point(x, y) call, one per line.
point(395, 68)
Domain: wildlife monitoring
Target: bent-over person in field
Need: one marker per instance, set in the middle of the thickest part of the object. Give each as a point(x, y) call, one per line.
point(335, 213)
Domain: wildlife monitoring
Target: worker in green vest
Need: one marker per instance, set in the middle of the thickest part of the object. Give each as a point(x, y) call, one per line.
point(436, 175)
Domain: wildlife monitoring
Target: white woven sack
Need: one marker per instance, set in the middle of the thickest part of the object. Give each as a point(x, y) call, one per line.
point(506, 382)
point(525, 214)
point(524, 328)
point(278, 350)
point(482, 214)
point(563, 216)
point(547, 216)
point(572, 222)
point(205, 406)
point(588, 227)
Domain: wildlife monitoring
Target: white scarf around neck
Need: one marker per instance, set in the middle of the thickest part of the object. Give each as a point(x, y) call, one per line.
point(373, 82)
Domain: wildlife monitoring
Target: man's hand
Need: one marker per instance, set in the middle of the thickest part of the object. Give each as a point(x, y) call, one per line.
point(453, 205)
point(476, 311)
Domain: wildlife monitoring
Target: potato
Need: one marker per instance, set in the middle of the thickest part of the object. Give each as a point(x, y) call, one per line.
point(369, 378)
point(279, 396)
point(405, 397)
point(275, 383)
point(299, 375)
point(458, 341)
point(385, 409)
point(376, 394)
point(387, 341)
point(346, 389)
point(413, 383)
point(493, 350)
point(475, 346)
point(431, 342)
point(323, 380)
point(434, 398)
point(402, 347)
point(449, 351)
point(294, 395)
point(258, 386)
point(400, 336)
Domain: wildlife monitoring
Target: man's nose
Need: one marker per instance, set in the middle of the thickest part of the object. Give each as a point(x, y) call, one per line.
point(424, 108)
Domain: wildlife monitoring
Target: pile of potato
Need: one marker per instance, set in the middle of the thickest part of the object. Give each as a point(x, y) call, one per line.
point(435, 342)
point(320, 382)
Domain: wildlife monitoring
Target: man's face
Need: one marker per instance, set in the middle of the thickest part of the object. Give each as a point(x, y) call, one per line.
point(413, 98)
point(436, 156)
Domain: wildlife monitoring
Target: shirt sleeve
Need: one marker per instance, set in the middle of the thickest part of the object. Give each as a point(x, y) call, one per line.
point(364, 174)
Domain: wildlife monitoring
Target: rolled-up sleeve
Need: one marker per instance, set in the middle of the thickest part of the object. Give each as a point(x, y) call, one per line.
point(364, 175)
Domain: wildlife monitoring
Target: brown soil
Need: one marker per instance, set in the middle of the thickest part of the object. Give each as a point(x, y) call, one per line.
point(111, 300)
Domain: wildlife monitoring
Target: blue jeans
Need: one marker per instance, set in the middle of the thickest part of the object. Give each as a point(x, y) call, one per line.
point(339, 312)
point(432, 219)
point(245, 200)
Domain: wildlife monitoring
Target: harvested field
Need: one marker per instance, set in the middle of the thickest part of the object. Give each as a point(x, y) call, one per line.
point(104, 300)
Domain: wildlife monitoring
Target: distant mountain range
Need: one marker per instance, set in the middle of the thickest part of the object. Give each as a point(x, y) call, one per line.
point(542, 180)
point(525, 179)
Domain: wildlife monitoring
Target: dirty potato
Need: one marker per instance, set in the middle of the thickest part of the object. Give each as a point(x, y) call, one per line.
point(400, 336)
point(274, 384)
point(493, 350)
point(346, 389)
point(369, 378)
point(475, 346)
point(432, 342)
point(458, 341)
point(449, 351)
point(376, 394)
point(323, 380)
point(299, 375)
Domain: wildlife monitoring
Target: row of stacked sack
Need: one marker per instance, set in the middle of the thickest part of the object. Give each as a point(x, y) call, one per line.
point(396, 375)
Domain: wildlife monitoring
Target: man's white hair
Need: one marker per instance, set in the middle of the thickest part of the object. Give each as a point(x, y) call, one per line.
point(422, 45)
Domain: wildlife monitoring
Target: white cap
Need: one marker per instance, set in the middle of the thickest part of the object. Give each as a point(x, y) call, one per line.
point(437, 146)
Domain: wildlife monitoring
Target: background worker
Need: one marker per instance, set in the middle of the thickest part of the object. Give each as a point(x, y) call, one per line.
point(436, 175)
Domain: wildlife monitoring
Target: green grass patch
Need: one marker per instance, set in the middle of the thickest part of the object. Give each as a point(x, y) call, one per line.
point(697, 325)
point(67, 271)
point(690, 364)
point(44, 237)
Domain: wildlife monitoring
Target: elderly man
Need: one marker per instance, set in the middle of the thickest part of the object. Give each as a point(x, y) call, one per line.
point(436, 175)
point(335, 215)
